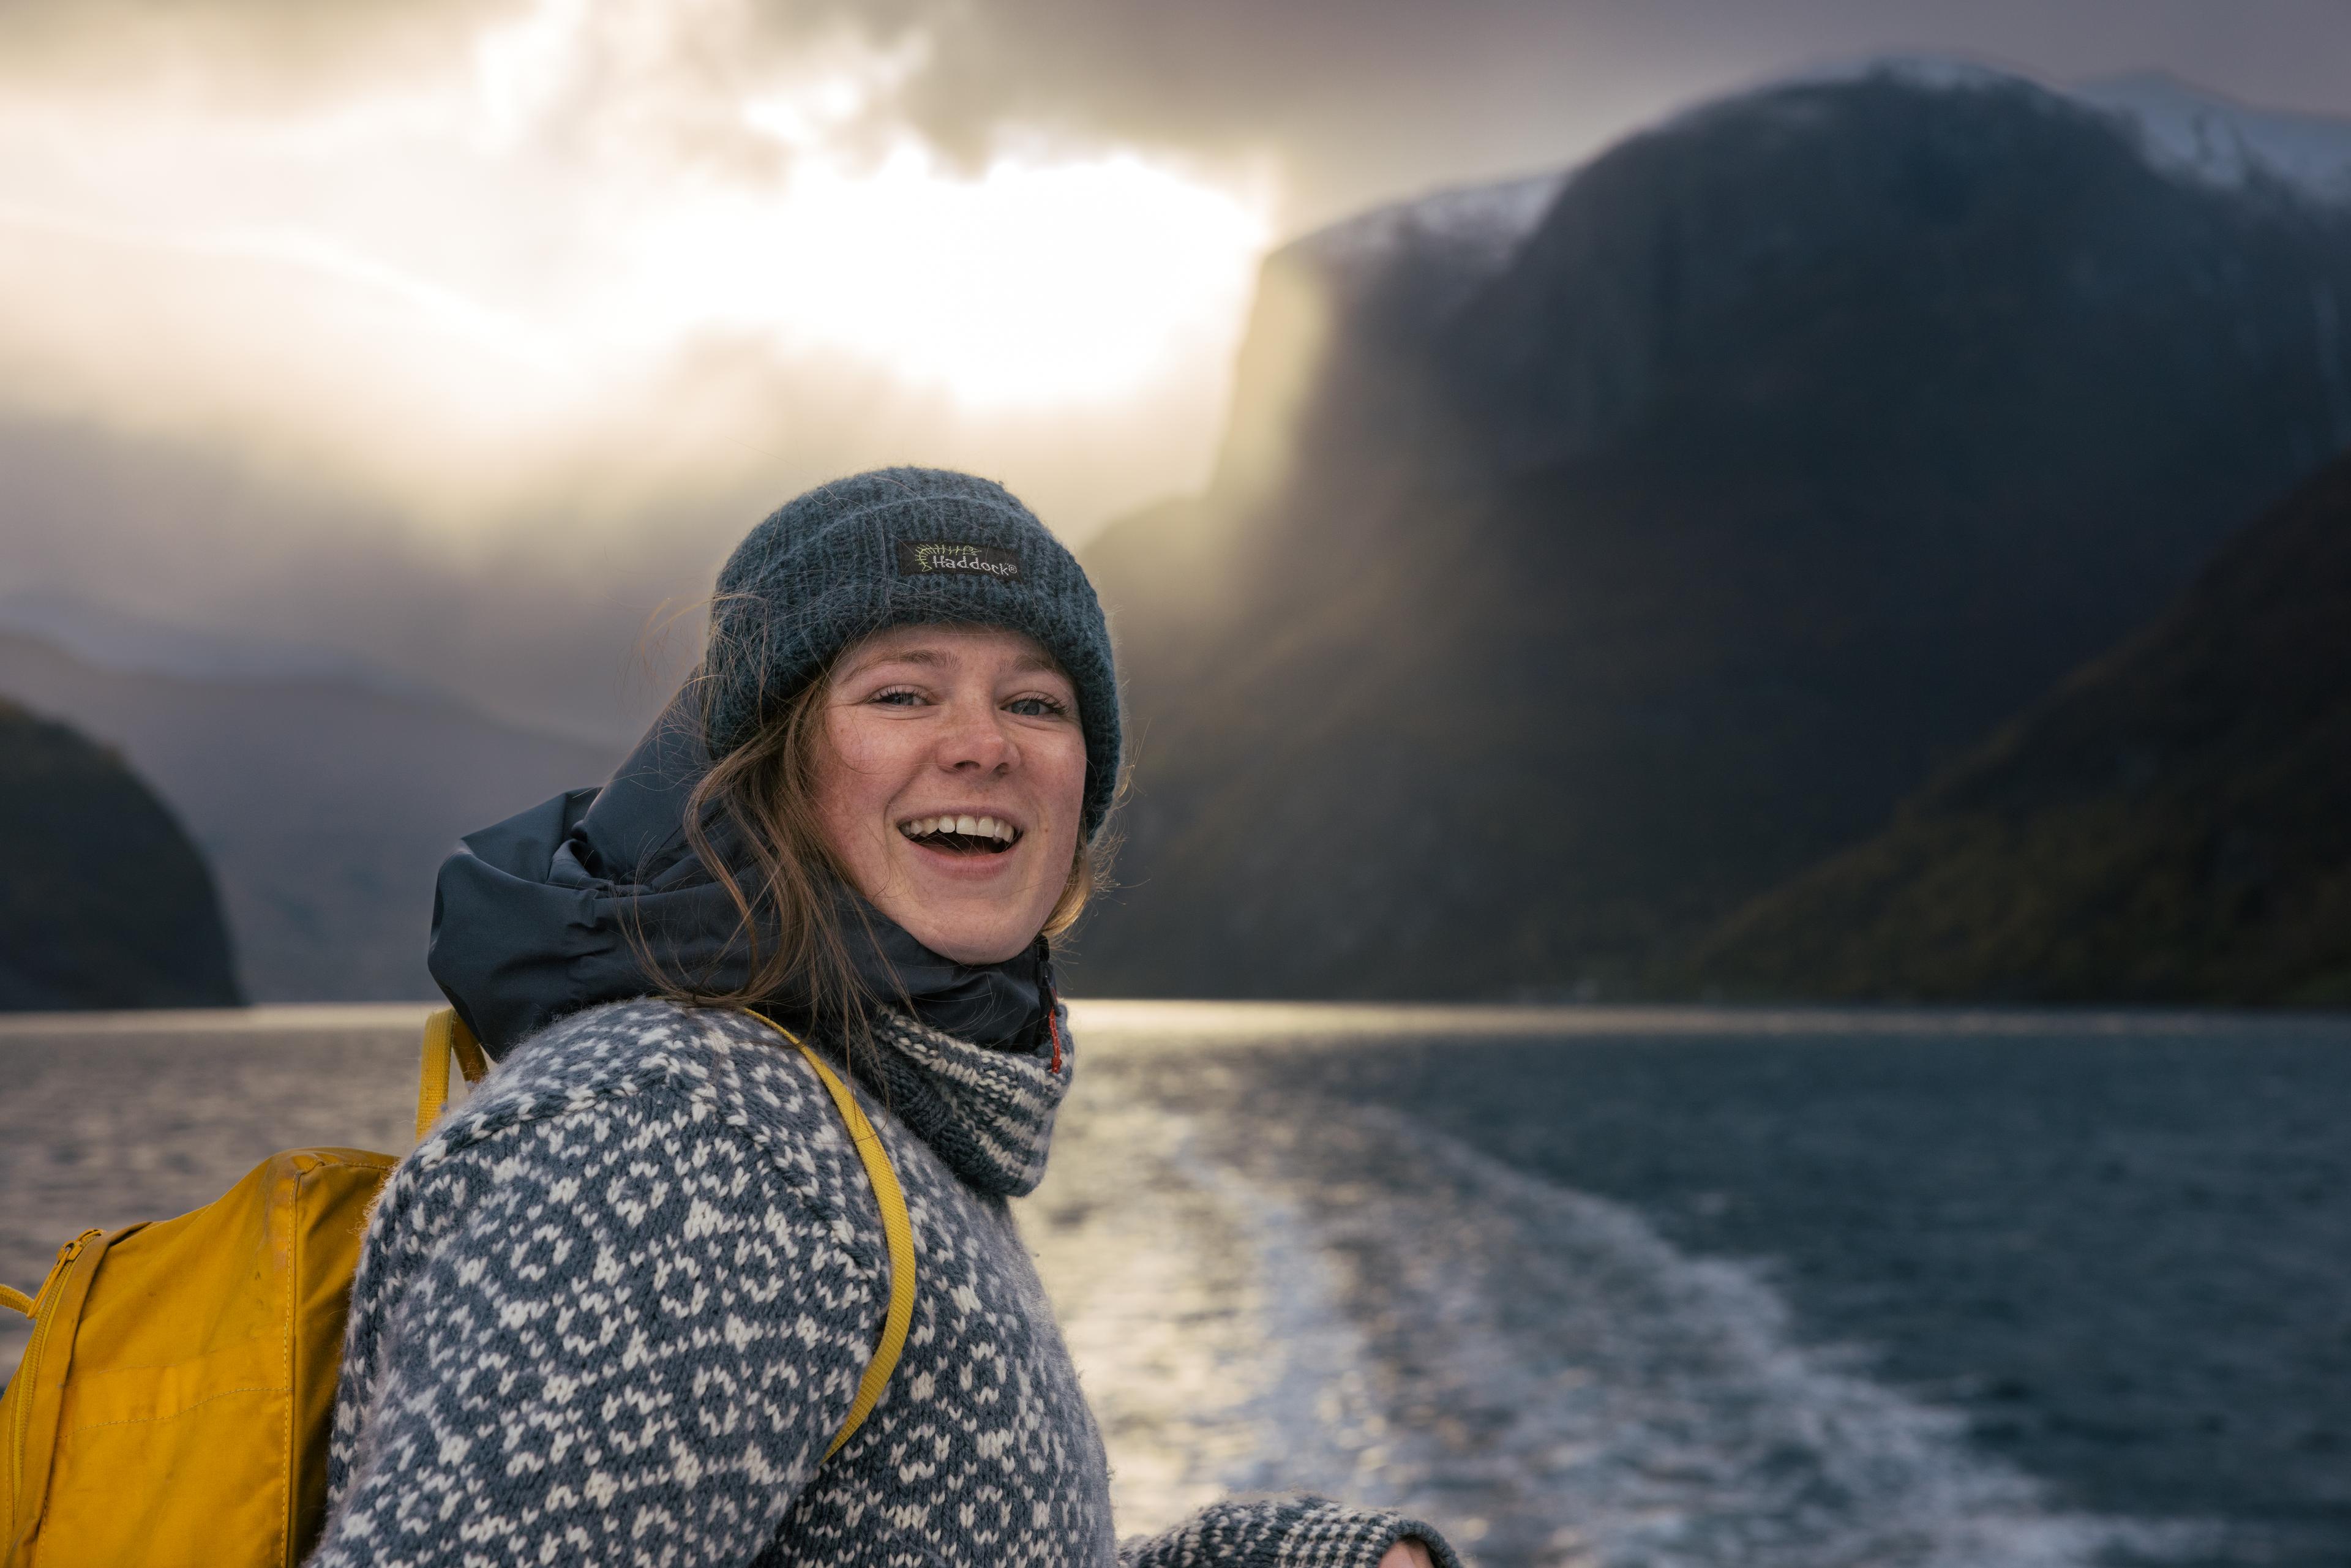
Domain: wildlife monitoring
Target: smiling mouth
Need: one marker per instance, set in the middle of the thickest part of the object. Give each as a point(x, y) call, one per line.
point(962, 835)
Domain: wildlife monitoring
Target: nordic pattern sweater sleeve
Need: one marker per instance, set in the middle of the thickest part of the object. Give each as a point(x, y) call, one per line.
point(1283, 1532)
point(594, 1357)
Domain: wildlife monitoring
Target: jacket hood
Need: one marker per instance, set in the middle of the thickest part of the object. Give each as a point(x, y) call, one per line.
point(532, 916)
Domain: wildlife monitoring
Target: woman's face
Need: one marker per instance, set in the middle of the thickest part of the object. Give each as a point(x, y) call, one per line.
point(952, 782)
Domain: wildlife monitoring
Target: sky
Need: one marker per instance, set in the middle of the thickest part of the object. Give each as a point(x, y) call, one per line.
point(468, 337)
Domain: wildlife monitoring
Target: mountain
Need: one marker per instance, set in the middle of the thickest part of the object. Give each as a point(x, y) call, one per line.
point(106, 903)
point(2229, 143)
point(2166, 826)
point(1555, 598)
point(325, 805)
point(111, 638)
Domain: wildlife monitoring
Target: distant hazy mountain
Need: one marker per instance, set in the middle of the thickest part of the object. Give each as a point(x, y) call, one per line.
point(103, 901)
point(112, 640)
point(2168, 825)
point(1556, 597)
point(325, 806)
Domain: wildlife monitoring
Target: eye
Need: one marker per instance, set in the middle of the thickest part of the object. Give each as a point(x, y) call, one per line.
point(1037, 706)
point(897, 696)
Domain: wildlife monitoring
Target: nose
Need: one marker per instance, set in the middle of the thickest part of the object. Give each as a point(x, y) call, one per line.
point(976, 740)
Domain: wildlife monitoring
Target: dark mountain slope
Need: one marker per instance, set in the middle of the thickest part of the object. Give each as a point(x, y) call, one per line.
point(1803, 441)
point(2169, 825)
point(104, 901)
point(325, 806)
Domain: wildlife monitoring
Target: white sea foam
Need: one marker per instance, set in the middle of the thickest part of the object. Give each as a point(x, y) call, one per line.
point(1341, 1301)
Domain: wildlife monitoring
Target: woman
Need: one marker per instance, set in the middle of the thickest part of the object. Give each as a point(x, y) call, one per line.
point(616, 1306)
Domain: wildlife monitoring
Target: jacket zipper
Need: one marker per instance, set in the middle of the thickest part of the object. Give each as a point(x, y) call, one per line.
point(45, 1311)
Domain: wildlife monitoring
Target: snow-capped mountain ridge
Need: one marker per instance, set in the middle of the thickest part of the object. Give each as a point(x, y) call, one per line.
point(2180, 129)
point(1474, 227)
point(2187, 129)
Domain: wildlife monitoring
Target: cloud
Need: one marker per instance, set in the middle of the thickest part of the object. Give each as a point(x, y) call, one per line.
point(508, 351)
point(464, 334)
point(454, 287)
point(1355, 99)
point(229, 52)
point(1361, 101)
point(538, 601)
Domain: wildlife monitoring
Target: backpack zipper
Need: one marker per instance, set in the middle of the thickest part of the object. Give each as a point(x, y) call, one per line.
point(45, 1311)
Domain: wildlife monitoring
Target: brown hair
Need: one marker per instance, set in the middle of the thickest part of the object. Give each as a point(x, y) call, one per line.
point(780, 878)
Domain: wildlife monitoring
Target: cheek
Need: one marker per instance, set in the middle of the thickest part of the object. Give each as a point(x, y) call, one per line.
point(854, 776)
point(1064, 780)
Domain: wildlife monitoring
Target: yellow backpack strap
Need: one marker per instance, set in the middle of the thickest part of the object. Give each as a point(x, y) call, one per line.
point(446, 1035)
point(897, 1230)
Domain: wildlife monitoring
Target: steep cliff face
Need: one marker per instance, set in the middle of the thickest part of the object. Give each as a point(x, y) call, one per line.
point(1556, 598)
point(2168, 825)
point(104, 901)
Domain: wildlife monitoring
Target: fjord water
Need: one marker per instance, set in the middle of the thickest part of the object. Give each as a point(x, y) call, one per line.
point(1589, 1286)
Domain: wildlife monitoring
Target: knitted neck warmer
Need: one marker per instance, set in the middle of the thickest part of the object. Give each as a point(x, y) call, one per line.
point(986, 1112)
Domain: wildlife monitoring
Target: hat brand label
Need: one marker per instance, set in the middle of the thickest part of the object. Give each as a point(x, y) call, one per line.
point(923, 559)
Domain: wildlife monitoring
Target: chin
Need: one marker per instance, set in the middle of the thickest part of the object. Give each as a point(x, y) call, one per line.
point(982, 935)
point(969, 909)
point(966, 948)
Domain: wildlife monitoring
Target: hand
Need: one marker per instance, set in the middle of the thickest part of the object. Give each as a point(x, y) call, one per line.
point(1412, 1552)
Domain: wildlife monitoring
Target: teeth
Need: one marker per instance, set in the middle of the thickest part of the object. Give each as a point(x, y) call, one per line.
point(972, 827)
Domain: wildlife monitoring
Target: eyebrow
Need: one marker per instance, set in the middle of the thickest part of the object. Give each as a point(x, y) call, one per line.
point(1041, 661)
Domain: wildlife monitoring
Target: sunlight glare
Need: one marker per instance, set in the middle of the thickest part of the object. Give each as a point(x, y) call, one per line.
point(1031, 282)
point(528, 248)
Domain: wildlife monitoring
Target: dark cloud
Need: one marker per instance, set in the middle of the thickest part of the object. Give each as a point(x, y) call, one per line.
point(1361, 99)
point(1354, 100)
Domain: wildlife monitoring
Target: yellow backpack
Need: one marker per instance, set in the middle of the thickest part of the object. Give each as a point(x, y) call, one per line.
point(173, 1406)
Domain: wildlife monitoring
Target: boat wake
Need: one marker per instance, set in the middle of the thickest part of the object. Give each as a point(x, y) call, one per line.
point(1330, 1299)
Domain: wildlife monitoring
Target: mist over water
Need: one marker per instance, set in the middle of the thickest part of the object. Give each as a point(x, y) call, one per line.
point(1589, 1286)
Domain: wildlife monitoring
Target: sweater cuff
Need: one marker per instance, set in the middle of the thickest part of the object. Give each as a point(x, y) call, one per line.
point(1284, 1532)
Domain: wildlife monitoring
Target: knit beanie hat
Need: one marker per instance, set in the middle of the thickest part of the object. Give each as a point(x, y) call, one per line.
point(898, 546)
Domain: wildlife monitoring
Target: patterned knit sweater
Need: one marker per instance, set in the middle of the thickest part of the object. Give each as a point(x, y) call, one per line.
point(614, 1308)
